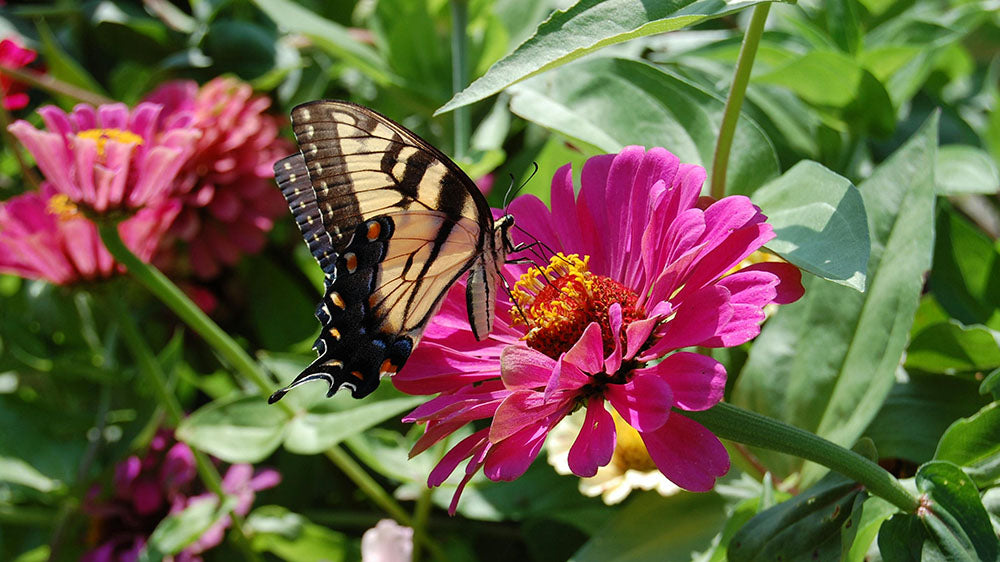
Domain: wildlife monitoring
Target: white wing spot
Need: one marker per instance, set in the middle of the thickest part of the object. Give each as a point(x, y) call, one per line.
point(288, 166)
point(310, 130)
point(292, 177)
point(313, 149)
point(305, 114)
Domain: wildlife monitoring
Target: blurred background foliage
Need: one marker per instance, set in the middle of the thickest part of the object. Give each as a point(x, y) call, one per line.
point(844, 83)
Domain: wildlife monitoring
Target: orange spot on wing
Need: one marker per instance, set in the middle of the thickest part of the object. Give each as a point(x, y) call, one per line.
point(338, 300)
point(374, 229)
point(334, 333)
point(358, 374)
point(352, 262)
point(388, 368)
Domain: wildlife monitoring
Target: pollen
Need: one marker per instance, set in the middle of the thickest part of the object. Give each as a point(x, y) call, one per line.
point(102, 136)
point(62, 207)
point(559, 301)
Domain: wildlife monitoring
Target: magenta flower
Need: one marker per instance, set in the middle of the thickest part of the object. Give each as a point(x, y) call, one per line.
point(13, 55)
point(108, 159)
point(642, 271)
point(40, 238)
point(230, 203)
point(146, 489)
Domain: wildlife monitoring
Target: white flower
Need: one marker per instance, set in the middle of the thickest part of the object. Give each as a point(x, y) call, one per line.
point(387, 541)
point(630, 466)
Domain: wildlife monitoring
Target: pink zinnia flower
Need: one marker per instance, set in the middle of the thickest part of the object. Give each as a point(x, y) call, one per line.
point(42, 238)
point(109, 158)
point(642, 271)
point(161, 482)
point(228, 184)
point(13, 55)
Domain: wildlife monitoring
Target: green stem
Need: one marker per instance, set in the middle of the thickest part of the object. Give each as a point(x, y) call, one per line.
point(459, 74)
point(731, 115)
point(421, 514)
point(154, 374)
point(736, 424)
point(52, 85)
point(177, 301)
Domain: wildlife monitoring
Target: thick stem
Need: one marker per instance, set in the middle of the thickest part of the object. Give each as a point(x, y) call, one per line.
point(736, 424)
point(52, 85)
point(731, 115)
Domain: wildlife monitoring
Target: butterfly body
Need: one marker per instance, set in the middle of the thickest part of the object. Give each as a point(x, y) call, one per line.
point(393, 223)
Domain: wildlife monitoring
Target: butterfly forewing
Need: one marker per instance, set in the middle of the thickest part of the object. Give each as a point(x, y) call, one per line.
point(402, 224)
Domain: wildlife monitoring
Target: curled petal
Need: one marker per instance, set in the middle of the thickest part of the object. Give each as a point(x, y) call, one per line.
point(588, 352)
point(789, 288)
point(523, 367)
point(509, 458)
point(696, 381)
point(644, 402)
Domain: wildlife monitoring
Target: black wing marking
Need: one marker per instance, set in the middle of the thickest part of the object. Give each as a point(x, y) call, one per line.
point(293, 180)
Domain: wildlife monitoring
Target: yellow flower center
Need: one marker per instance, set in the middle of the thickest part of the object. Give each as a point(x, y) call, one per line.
point(630, 452)
point(559, 301)
point(102, 136)
point(62, 207)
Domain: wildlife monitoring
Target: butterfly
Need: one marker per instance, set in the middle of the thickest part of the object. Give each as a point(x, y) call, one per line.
point(393, 223)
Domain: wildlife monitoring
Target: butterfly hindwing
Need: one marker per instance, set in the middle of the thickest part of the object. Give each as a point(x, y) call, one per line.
point(293, 180)
point(402, 224)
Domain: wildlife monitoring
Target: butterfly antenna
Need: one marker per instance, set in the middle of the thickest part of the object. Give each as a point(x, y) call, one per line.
point(509, 196)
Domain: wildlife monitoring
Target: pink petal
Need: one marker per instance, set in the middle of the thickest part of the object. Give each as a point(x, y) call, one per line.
point(463, 450)
point(522, 409)
point(524, 368)
point(614, 359)
point(644, 402)
point(588, 352)
point(511, 457)
point(595, 443)
point(697, 319)
point(789, 287)
point(687, 454)
point(696, 381)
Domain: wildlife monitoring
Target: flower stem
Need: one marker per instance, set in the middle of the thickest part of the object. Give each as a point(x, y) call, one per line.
point(459, 71)
point(731, 114)
point(176, 300)
point(736, 424)
point(151, 369)
point(52, 85)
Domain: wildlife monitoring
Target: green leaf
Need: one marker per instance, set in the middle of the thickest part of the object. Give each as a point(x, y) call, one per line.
point(179, 530)
point(900, 538)
point(949, 347)
point(991, 385)
point(611, 103)
point(827, 362)
point(874, 512)
point(235, 429)
point(941, 400)
point(282, 312)
point(17, 471)
point(955, 517)
point(586, 27)
point(832, 80)
point(809, 526)
point(242, 47)
point(327, 35)
point(291, 536)
point(966, 275)
point(820, 223)
point(633, 535)
point(316, 431)
point(973, 443)
point(965, 169)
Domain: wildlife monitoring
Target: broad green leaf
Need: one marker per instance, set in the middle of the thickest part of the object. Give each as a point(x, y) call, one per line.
point(237, 429)
point(901, 539)
point(940, 400)
point(874, 512)
point(410, 41)
point(832, 80)
point(826, 362)
point(586, 27)
point(965, 169)
point(808, 526)
point(949, 347)
point(955, 519)
point(611, 103)
point(327, 35)
point(991, 384)
point(820, 223)
point(59, 64)
point(179, 530)
point(966, 274)
point(291, 536)
point(973, 443)
point(242, 47)
point(690, 521)
point(314, 432)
